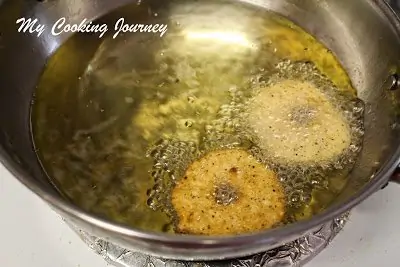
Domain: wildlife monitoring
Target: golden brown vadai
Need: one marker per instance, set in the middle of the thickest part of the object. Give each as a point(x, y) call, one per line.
point(227, 192)
point(296, 123)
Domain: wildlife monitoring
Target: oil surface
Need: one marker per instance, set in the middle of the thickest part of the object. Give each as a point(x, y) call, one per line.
point(117, 123)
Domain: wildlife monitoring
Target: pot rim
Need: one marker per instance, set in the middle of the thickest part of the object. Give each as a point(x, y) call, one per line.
point(199, 242)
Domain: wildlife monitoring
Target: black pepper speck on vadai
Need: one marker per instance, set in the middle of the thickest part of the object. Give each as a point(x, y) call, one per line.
point(227, 192)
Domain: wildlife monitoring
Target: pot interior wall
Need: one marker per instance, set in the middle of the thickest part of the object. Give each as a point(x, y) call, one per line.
point(362, 36)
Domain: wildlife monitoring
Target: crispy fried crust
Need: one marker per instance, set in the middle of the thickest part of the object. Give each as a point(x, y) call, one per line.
point(254, 198)
point(296, 123)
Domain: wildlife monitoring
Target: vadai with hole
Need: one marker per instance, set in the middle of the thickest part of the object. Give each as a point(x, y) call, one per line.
point(227, 192)
point(297, 123)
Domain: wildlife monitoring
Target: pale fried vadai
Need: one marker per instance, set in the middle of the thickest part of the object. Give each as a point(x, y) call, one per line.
point(227, 192)
point(296, 123)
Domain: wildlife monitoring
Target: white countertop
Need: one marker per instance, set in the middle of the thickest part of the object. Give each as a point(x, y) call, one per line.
point(32, 235)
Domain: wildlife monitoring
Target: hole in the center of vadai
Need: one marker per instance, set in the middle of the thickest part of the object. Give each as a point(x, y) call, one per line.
point(302, 115)
point(225, 194)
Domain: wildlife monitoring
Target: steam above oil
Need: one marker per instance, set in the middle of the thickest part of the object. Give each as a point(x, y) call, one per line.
point(116, 141)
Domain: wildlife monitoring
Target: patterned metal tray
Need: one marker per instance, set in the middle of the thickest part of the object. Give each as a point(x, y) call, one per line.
point(296, 253)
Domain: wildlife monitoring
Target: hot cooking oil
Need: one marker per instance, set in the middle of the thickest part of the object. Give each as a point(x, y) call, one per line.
point(117, 138)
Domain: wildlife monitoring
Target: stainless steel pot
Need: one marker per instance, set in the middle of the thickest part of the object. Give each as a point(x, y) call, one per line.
point(364, 34)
